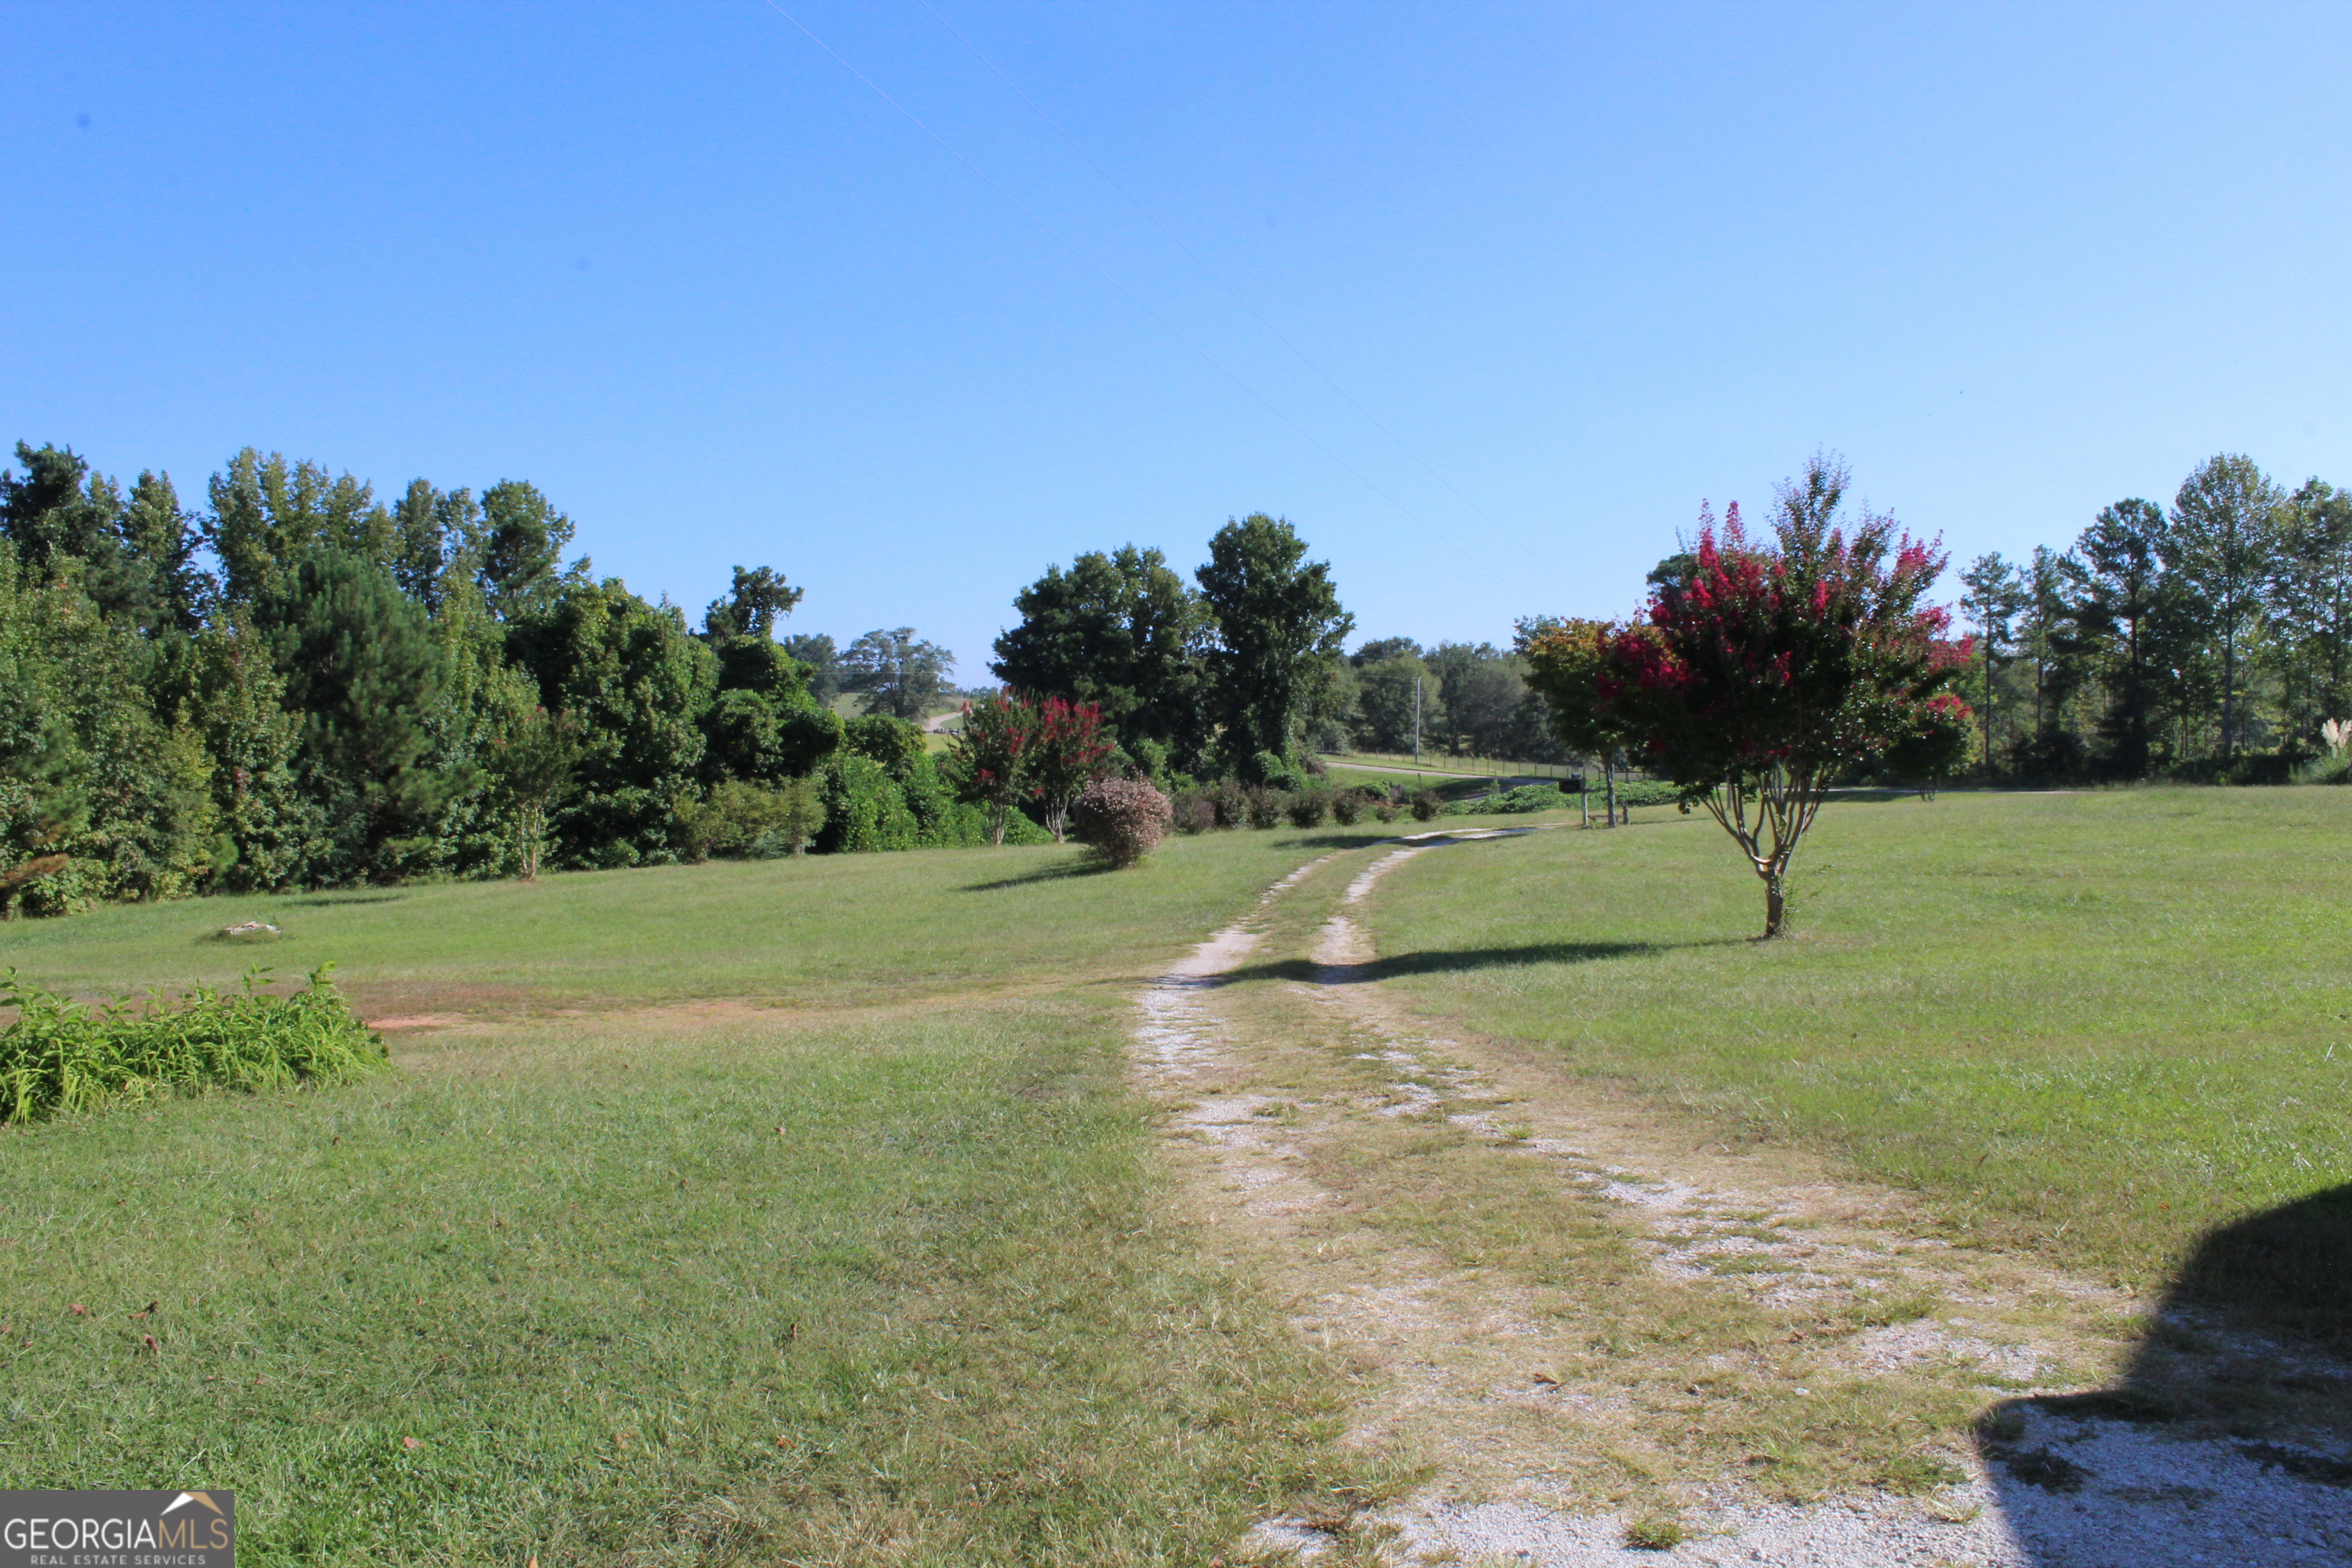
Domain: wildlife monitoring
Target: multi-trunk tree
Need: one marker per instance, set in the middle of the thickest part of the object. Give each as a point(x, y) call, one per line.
point(1771, 668)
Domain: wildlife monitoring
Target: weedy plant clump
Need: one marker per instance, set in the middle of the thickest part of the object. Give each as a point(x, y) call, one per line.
point(1122, 820)
point(64, 1055)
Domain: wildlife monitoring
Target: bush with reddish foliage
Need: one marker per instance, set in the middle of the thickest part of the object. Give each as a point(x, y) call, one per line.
point(1122, 820)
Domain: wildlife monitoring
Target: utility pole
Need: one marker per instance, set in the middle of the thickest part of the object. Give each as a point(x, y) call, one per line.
point(1416, 721)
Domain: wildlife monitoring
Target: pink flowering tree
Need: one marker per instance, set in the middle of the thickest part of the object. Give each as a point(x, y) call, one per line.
point(1067, 751)
point(990, 761)
point(1768, 670)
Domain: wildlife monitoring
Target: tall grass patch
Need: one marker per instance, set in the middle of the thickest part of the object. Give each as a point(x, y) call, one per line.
point(60, 1055)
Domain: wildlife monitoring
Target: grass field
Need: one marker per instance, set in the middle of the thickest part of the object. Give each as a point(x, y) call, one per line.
point(882, 1284)
point(797, 1211)
point(819, 932)
point(2098, 1025)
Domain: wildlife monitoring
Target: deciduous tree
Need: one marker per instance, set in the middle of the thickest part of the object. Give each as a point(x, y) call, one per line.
point(898, 673)
point(1774, 667)
point(1277, 627)
point(989, 763)
point(1067, 751)
point(1121, 631)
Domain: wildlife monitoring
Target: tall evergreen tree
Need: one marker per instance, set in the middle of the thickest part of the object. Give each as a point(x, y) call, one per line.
point(2311, 608)
point(234, 699)
point(360, 665)
point(1995, 593)
point(2051, 643)
point(2223, 545)
point(2120, 592)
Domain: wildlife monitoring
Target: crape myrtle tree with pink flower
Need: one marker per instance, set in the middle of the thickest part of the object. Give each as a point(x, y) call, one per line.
point(1015, 748)
point(1067, 751)
point(1762, 672)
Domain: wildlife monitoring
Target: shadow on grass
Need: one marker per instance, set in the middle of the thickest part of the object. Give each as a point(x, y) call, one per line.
point(328, 900)
point(1458, 961)
point(1348, 837)
point(1060, 871)
point(2250, 1350)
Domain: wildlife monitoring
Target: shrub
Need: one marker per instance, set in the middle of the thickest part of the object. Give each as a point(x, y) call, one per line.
point(1261, 807)
point(1308, 807)
point(742, 819)
point(1426, 805)
point(1229, 801)
point(1346, 806)
point(864, 808)
point(942, 821)
point(1122, 820)
point(1150, 761)
point(2336, 768)
point(1279, 772)
point(61, 1056)
point(1527, 798)
point(1383, 812)
point(1193, 812)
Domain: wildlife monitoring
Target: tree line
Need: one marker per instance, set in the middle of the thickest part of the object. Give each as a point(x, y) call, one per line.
point(2208, 639)
point(300, 684)
point(1240, 673)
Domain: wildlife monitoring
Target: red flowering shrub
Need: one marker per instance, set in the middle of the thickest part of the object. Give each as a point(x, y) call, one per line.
point(1122, 820)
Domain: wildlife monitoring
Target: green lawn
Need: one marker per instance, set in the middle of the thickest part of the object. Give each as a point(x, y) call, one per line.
point(822, 931)
point(835, 1287)
point(2098, 1024)
point(884, 1272)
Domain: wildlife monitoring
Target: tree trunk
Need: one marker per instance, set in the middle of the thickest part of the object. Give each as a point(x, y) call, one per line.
point(2228, 706)
point(1776, 904)
point(1608, 777)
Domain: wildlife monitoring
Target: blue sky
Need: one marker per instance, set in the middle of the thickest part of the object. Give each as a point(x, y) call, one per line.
point(1485, 299)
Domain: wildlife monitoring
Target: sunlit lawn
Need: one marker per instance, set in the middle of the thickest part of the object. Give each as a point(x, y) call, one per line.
point(781, 1286)
point(2097, 1023)
point(822, 930)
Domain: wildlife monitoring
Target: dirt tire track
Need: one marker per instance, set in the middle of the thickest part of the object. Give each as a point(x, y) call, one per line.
point(1438, 1353)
